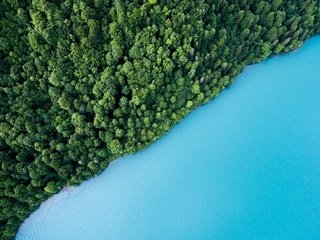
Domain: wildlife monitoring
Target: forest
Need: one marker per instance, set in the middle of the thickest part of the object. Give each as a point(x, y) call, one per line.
point(83, 82)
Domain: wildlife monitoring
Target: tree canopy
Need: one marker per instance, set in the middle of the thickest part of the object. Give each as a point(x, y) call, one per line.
point(83, 82)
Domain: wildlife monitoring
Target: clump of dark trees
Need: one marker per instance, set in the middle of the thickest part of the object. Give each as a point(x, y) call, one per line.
point(83, 82)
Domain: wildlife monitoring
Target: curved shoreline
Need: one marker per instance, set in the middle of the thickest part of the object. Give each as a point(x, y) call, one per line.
point(142, 164)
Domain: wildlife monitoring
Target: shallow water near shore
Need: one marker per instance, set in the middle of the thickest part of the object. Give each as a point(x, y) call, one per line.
point(244, 166)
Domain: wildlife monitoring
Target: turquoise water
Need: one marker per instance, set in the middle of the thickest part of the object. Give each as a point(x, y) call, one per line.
point(245, 166)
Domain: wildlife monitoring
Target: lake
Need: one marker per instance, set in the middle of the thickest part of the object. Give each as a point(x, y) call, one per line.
point(244, 166)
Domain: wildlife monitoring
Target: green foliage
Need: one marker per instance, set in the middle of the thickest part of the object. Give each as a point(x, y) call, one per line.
point(152, 1)
point(84, 82)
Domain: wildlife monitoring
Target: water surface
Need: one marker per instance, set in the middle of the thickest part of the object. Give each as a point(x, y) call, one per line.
point(244, 166)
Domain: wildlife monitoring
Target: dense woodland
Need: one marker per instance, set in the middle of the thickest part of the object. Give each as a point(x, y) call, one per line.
point(83, 82)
